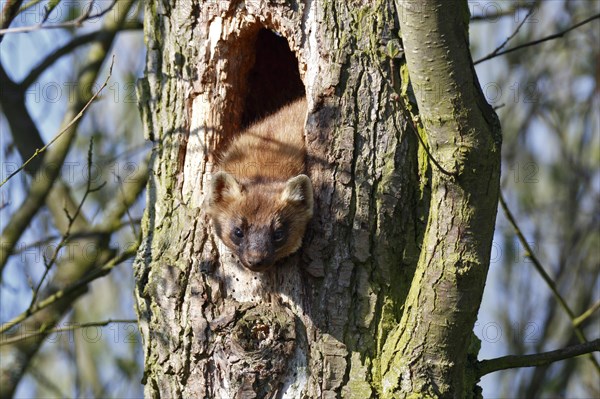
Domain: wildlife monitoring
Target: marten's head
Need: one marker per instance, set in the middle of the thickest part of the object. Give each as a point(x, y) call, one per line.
point(261, 222)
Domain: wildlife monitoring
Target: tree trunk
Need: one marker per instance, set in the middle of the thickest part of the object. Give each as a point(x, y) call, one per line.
point(331, 320)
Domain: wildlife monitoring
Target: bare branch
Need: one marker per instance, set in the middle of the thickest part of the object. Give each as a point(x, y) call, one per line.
point(535, 42)
point(76, 268)
point(9, 12)
point(72, 219)
point(76, 42)
point(71, 289)
point(540, 269)
point(538, 359)
point(77, 117)
point(74, 23)
point(500, 47)
point(585, 315)
point(122, 203)
point(40, 187)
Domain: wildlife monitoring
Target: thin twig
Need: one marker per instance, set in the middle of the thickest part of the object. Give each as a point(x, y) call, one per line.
point(77, 22)
point(68, 48)
point(539, 359)
point(74, 327)
point(77, 117)
point(88, 188)
point(585, 315)
point(71, 219)
point(412, 124)
point(500, 47)
point(551, 284)
point(429, 155)
point(95, 274)
point(535, 42)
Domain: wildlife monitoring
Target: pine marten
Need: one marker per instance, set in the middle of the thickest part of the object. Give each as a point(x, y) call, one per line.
point(259, 201)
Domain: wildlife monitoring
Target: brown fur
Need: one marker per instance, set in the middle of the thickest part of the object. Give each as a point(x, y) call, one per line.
point(261, 190)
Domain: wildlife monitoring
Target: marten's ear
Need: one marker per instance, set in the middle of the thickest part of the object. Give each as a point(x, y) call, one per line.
point(298, 190)
point(223, 188)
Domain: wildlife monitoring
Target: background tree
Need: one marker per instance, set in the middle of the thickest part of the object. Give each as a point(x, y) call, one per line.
point(71, 218)
point(545, 101)
point(546, 93)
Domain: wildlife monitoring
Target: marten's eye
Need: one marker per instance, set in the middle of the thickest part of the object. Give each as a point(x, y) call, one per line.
point(238, 232)
point(278, 235)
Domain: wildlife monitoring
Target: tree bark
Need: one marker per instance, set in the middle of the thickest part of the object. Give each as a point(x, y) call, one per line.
point(319, 324)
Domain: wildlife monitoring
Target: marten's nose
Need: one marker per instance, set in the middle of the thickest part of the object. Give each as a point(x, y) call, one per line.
point(256, 263)
point(257, 260)
point(258, 253)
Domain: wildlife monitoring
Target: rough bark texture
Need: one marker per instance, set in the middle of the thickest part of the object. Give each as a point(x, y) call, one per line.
point(316, 325)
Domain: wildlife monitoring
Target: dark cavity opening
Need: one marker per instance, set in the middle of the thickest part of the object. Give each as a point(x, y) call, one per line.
point(274, 79)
